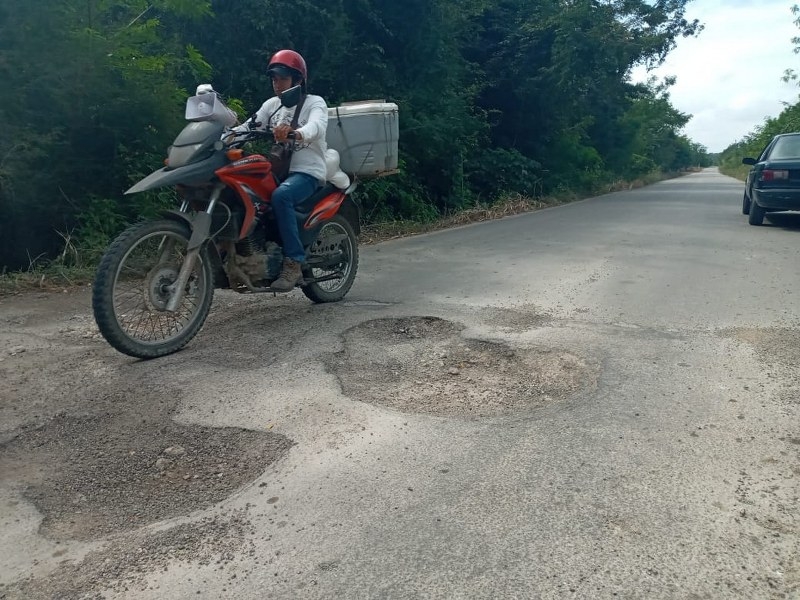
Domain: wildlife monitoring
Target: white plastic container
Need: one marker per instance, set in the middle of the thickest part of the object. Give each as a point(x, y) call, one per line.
point(365, 134)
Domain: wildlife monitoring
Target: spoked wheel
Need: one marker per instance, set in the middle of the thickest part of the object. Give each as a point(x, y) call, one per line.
point(132, 290)
point(337, 245)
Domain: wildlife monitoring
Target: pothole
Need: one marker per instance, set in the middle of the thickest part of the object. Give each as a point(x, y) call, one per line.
point(424, 365)
point(98, 475)
point(774, 344)
point(124, 564)
point(777, 350)
point(517, 319)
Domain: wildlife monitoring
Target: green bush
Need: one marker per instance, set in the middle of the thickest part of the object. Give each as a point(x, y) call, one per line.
point(640, 165)
point(99, 222)
point(398, 197)
point(497, 171)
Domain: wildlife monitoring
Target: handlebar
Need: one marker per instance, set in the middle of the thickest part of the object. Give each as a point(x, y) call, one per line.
point(240, 138)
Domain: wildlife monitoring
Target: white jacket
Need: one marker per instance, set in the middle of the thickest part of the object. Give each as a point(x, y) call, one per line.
point(309, 155)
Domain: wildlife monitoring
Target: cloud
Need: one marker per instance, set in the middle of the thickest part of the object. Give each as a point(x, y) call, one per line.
point(729, 77)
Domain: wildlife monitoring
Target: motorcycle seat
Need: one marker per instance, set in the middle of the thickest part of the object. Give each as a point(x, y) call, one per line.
point(306, 206)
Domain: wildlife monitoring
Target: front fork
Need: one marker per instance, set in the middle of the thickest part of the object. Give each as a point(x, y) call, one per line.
point(201, 230)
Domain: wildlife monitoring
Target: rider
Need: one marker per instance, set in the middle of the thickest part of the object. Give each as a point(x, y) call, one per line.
point(307, 169)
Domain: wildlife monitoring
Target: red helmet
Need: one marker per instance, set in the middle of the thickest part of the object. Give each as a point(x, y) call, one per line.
point(290, 60)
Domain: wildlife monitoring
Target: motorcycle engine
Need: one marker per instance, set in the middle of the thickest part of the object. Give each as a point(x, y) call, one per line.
point(255, 263)
point(253, 243)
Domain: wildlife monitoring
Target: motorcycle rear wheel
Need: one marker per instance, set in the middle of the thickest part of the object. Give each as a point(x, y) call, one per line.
point(334, 290)
point(131, 290)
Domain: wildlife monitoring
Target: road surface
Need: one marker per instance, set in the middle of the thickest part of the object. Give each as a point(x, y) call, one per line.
point(597, 400)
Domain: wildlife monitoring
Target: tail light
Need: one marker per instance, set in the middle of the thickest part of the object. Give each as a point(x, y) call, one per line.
point(774, 175)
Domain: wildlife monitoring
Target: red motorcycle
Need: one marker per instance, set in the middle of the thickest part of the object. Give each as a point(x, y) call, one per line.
point(155, 283)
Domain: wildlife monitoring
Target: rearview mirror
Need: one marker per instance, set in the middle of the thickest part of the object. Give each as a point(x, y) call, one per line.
point(749, 161)
point(291, 97)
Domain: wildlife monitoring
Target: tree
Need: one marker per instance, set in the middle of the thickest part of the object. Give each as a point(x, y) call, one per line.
point(96, 88)
point(559, 75)
point(791, 74)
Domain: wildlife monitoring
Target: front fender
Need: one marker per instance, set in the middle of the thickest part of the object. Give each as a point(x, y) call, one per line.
point(191, 174)
point(220, 277)
point(181, 217)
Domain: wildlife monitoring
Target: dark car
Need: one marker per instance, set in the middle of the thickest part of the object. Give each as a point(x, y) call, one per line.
point(773, 183)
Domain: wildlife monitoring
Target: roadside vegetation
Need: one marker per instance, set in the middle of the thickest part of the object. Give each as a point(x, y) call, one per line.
point(505, 106)
point(730, 161)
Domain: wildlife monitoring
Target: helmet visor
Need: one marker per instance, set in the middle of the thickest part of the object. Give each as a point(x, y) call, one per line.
point(281, 71)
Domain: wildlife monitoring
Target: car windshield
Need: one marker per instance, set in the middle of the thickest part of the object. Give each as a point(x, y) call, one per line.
point(786, 147)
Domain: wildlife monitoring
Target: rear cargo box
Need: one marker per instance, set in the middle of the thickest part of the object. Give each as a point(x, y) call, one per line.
point(365, 134)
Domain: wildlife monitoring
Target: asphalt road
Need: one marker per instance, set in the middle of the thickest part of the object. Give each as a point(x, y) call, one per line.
point(649, 341)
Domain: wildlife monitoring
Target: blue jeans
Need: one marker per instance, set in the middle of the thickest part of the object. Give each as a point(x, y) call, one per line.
point(294, 189)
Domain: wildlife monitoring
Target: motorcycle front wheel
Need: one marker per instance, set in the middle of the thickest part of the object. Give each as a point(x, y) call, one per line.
point(131, 290)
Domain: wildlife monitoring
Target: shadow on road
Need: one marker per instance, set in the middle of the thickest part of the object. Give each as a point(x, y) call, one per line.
point(787, 220)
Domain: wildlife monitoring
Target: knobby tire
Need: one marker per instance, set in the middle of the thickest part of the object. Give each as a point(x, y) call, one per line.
point(119, 270)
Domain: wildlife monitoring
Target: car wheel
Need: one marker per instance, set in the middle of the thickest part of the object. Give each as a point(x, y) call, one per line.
point(745, 205)
point(756, 214)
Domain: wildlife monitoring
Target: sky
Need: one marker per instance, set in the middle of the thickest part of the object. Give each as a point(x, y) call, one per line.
point(729, 77)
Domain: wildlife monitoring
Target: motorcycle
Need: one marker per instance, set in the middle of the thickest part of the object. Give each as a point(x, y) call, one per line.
point(155, 283)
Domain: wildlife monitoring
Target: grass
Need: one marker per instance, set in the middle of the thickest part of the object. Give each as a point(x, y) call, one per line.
point(45, 278)
point(67, 270)
point(739, 171)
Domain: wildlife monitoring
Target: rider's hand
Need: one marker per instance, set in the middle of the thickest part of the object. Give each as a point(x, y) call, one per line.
point(281, 132)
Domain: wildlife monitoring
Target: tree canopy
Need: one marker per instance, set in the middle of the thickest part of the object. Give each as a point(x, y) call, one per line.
point(495, 96)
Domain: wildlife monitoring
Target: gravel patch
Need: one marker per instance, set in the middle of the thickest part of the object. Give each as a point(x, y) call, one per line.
point(125, 563)
point(424, 365)
point(94, 476)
